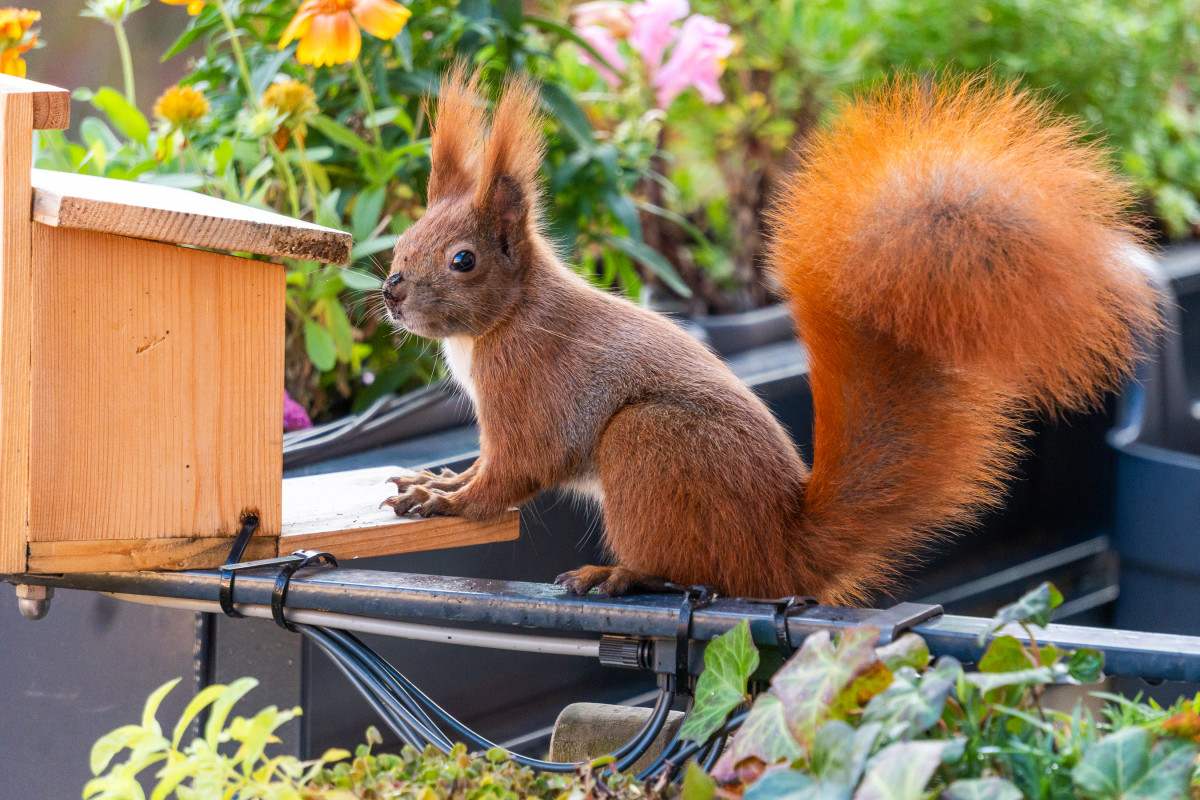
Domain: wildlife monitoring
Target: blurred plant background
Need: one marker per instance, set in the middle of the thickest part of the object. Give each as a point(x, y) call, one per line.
point(671, 124)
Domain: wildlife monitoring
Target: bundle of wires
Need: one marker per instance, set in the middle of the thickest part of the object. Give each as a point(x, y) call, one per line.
point(417, 720)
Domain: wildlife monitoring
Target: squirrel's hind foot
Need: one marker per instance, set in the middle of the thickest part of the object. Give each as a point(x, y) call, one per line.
point(419, 501)
point(611, 581)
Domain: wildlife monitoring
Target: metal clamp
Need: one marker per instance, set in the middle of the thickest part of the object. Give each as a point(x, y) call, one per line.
point(900, 618)
point(694, 597)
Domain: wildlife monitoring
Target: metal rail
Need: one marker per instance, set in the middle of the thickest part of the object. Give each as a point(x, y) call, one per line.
point(461, 603)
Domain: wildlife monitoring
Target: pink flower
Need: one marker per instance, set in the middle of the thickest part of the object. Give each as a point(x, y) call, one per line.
point(697, 60)
point(652, 30)
point(606, 46)
point(610, 14)
point(295, 418)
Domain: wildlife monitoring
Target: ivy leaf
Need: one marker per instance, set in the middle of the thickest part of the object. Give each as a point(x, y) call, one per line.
point(840, 752)
point(1033, 608)
point(729, 661)
point(1005, 654)
point(982, 789)
point(910, 650)
point(901, 771)
point(987, 681)
point(696, 784)
point(1086, 665)
point(764, 735)
point(1124, 766)
point(811, 684)
point(778, 784)
point(913, 704)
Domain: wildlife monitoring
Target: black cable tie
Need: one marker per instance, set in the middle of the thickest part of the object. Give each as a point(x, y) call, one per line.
point(694, 597)
point(225, 596)
point(297, 560)
point(785, 607)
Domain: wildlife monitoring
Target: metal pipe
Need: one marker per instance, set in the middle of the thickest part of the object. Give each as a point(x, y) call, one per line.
point(526, 643)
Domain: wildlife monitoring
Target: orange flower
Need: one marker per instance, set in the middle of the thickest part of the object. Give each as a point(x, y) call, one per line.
point(295, 103)
point(328, 29)
point(194, 6)
point(181, 107)
point(16, 38)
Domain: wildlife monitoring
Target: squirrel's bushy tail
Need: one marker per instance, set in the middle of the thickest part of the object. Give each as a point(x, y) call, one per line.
point(955, 258)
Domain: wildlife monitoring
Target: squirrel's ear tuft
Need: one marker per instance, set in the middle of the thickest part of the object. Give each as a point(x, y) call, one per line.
point(513, 152)
point(454, 135)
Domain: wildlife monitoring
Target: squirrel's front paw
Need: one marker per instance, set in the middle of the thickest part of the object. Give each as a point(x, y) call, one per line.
point(611, 581)
point(418, 501)
point(426, 478)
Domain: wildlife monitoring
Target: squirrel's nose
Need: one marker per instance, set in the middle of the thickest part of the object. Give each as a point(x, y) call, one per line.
point(391, 287)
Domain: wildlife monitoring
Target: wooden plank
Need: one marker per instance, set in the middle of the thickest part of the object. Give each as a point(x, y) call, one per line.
point(177, 216)
point(339, 513)
point(51, 105)
point(132, 554)
point(158, 375)
point(16, 148)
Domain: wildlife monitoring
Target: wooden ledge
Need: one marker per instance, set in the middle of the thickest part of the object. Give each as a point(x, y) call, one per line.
point(179, 216)
point(51, 105)
point(338, 513)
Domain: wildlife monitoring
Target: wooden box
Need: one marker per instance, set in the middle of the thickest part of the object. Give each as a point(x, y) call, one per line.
point(141, 377)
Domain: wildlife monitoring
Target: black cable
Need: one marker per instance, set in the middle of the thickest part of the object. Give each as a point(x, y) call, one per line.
point(408, 704)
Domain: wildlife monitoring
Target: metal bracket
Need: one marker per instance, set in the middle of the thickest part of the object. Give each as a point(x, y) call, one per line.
point(900, 618)
point(784, 608)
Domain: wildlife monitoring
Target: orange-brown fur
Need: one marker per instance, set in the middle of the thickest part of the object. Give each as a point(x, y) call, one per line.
point(954, 259)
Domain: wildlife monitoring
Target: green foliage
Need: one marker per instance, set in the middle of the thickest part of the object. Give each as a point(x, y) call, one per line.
point(844, 720)
point(729, 660)
point(230, 761)
point(358, 161)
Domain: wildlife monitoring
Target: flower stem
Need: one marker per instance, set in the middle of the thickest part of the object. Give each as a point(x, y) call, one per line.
point(238, 55)
point(289, 179)
point(306, 168)
point(371, 121)
point(126, 61)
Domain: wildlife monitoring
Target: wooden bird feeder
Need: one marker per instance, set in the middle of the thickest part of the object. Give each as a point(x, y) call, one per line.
point(141, 377)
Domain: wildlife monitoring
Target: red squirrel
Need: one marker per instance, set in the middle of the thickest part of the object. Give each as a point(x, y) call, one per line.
point(955, 260)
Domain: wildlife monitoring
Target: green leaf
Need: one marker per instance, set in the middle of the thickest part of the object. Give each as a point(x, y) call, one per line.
point(982, 789)
point(128, 119)
point(1086, 665)
point(114, 742)
point(1033, 608)
point(697, 785)
point(223, 705)
point(910, 650)
point(511, 13)
point(372, 246)
point(987, 681)
point(562, 107)
point(152, 703)
point(368, 208)
point(764, 735)
point(338, 133)
point(901, 771)
point(1124, 765)
point(322, 350)
point(913, 704)
point(568, 33)
point(361, 281)
point(812, 683)
point(202, 699)
point(652, 260)
point(777, 785)
point(729, 661)
point(1005, 654)
point(840, 752)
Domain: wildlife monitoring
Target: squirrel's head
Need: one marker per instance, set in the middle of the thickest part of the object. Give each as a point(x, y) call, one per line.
point(460, 268)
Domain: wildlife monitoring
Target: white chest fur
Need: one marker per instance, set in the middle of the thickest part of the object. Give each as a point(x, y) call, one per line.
point(457, 352)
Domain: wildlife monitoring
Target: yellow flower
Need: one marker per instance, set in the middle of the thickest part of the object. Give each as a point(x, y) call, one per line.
point(17, 37)
point(295, 102)
point(194, 6)
point(181, 106)
point(328, 29)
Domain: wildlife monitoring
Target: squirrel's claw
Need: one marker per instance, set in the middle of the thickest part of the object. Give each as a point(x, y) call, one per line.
point(419, 501)
point(610, 581)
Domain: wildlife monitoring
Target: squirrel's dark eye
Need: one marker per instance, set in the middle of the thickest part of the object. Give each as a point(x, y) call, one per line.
point(463, 261)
